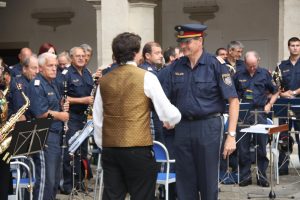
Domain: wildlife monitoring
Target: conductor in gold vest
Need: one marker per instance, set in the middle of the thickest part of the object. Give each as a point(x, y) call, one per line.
point(122, 123)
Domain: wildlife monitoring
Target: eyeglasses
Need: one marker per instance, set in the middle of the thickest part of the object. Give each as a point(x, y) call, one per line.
point(79, 56)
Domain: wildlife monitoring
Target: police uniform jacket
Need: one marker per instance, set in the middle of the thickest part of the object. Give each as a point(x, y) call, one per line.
point(255, 89)
point(200, 91)
point(290, 74)
point(44, 96)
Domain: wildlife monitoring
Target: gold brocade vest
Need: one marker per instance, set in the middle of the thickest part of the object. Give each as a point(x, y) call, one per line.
point(126, 109)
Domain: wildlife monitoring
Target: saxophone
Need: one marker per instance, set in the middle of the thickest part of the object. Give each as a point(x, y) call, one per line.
point(9, 125)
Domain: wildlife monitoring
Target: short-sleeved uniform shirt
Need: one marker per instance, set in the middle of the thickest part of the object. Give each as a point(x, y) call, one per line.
point(200, 91)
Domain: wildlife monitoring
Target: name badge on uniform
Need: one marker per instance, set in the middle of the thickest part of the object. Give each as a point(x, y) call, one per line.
point(149, 69)
point(37, 82)
point(75, 80)
point(242, 80)
point(50, 93)
point(287, 70)
point(179, 73)
point(227, 79)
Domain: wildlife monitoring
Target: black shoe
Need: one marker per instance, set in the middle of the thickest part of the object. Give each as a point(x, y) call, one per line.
point(283, 173)
point(245, 182)
point(263, 183)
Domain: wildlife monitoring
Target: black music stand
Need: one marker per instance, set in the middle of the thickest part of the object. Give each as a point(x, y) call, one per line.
point(28, 137)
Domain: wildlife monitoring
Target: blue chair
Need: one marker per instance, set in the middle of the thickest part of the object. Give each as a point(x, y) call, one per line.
point(162, 156)
point(24, 164)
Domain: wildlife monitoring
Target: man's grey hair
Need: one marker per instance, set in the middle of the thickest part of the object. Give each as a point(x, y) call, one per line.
point(64, 54)
point(28, 60)
point(72, 50)
point(251, 53)
point(235, 45)
point(42, 59)
point(87, 47)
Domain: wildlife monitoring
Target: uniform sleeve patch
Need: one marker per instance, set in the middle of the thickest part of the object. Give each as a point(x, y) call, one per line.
point(37, 82)
point(227, 79)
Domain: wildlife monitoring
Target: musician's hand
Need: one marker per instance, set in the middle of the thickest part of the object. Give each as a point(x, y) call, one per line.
point(168, 126)
point(65, 116)
point(287, 94)
point(89, 100)
point(268, 107)
point(229, 146)
point(98, 74)
point(66, 106)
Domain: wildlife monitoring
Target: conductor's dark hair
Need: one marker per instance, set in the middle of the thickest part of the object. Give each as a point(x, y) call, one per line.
point(125, 46)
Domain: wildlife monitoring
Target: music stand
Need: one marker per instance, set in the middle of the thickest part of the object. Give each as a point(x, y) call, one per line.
point(28, 137)
point(270, 130)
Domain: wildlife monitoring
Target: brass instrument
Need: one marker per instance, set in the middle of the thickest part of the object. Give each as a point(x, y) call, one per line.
point(9, 125)
point(277, 77)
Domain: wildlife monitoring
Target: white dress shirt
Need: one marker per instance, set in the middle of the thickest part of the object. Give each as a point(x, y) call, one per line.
point(153, 90)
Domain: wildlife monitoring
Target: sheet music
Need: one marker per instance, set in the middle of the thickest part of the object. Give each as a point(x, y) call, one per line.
point(258, 128)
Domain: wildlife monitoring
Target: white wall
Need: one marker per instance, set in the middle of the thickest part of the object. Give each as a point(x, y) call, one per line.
point(17, 25)
point(254, 22)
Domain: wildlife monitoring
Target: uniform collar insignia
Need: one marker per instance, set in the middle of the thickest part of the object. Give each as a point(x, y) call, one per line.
point(37, 82)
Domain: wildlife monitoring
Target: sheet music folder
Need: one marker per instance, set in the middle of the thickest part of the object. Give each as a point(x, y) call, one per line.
point(29, 137)
point(265, 128)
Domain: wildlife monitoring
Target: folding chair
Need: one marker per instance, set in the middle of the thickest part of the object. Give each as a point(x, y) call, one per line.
point(18, 165)
point(162, 156)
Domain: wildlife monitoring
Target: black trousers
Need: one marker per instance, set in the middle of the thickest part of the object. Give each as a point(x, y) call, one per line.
point(129, 170)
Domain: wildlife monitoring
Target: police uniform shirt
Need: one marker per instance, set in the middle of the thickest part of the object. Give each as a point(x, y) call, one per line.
point(45, 96)
point(239, 65)
point(150, 68)
point(16, 70)
point(290, 75)
point(200, 91)
point(15, 98)
point(255, 89)
point(78, 86)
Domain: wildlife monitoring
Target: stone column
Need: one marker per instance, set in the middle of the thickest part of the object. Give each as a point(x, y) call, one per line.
point(97, 5)
point(141, 19)
point(289, 25)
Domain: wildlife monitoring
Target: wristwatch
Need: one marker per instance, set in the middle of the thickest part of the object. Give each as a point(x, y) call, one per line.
point(232, 133)
point(294, 93)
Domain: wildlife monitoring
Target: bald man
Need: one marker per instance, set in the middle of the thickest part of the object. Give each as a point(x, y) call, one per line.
point(16, 70)
point(253, 86)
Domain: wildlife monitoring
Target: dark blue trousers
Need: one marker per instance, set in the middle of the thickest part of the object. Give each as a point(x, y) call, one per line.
point(197, 150)
point(260, 140)
point(47, 169)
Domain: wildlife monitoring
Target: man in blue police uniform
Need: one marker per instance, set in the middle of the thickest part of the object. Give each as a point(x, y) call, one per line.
point(198, 84)
point(16, 101)
point(16, 70)
point(254, 86)
point(233, 60)
point(290, 88)
point(45, 100)
point(79, 85)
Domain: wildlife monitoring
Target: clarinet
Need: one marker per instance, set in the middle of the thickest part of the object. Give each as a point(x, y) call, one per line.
point(89, 110)
point(64, 136)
